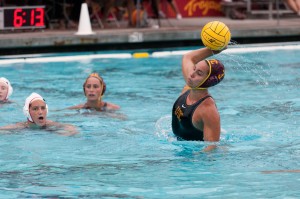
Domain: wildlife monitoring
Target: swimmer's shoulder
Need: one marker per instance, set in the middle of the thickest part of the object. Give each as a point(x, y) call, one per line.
point(79, 106)
point(9, 102)
point(53, 123)
point(62, 128)
point(16, 126)
point(111, 106)
point(6, 102)
point(50, 122)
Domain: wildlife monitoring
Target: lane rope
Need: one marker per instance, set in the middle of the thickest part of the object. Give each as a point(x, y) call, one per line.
point(7, 60)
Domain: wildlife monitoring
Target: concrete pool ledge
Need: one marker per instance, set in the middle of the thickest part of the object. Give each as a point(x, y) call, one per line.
point(172, 33)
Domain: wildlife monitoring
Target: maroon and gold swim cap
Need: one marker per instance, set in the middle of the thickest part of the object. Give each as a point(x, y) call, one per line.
point(215, 75)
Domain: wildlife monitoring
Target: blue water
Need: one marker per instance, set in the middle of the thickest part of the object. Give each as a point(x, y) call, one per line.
point(139, 157)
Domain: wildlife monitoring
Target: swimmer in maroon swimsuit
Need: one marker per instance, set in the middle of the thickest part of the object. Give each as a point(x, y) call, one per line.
point(195, 115)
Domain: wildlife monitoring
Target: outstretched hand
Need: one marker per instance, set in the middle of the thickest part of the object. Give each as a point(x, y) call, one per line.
point(214, 52)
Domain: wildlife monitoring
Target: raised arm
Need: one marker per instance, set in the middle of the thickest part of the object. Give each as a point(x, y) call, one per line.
point(191, 58)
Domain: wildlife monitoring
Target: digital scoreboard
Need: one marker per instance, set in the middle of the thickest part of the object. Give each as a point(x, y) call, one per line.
point(25, 17)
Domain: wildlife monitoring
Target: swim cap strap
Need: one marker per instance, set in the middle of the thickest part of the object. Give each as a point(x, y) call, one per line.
point(209, 73)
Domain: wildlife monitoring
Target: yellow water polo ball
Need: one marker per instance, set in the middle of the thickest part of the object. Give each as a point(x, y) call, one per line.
point(215, 35)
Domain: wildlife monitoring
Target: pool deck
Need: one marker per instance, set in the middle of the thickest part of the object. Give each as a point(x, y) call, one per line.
point(172, 32)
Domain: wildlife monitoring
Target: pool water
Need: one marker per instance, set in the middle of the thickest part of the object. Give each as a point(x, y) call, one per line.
point(139, 157)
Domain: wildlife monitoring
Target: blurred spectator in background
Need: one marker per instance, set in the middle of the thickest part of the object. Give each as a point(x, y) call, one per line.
point(68, 13)
point(65, 12)
point(75, 11)
point(294, 5)
point(158, 12)
point(129, 6)
point(238, 9)
point(102, 7)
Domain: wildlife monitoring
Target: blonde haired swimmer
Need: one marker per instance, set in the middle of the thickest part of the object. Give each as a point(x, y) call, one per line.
point(5, 90)
point(94, 88)
point(36, 110)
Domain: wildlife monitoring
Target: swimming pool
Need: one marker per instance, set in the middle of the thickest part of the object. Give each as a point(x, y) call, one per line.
point(139, 157)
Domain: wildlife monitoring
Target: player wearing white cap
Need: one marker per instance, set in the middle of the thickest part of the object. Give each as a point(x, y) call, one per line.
point(36, 110)
point(5, 90)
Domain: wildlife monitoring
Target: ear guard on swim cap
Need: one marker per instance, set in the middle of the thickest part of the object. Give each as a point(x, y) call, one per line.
point(10, 88)
point(215, 75)
point(100, 79)
point(28, 101)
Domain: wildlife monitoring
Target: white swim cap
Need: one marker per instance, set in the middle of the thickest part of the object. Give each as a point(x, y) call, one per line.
point(28, 101)
point(10, 89)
